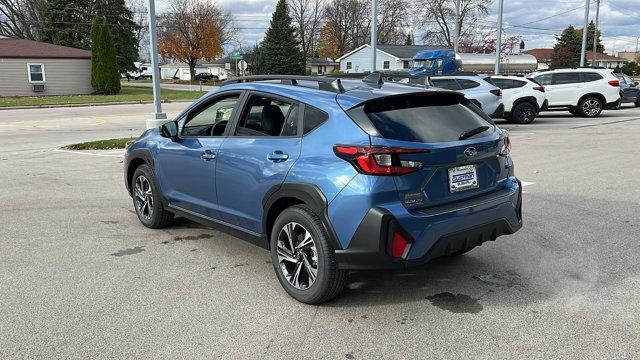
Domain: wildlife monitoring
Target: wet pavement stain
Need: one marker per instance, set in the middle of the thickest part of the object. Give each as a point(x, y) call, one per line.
point(458, 303)
point(109, 222)
point(192, 237)
point(508, 279)
point(349, 356)
point(194, 250)
point(239, 265)
point(131, 251)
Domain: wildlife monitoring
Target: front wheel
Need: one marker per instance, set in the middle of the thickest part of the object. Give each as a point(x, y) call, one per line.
point(147, 199)
point(303, 258)
point(590, 107)
point(524, 113)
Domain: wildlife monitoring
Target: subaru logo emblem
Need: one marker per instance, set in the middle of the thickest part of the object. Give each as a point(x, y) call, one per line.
point(470, 151)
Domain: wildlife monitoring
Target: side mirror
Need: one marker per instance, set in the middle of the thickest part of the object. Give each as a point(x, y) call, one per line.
point(635, 83)
point(170, 130)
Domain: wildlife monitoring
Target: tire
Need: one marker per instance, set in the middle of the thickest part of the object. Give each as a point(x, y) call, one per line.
point(637, 102)
point(508, 118)
point(573, 111)
point(300, 256)
point(524, 113)
point(147, 200)
point(590, 107)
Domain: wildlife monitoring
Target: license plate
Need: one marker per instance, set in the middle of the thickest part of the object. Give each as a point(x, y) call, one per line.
point(463, 178)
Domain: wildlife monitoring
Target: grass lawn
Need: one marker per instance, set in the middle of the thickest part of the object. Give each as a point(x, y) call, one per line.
point(128, 93)
point(100, 144)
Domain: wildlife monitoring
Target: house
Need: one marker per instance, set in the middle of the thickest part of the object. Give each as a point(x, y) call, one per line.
point(388, 57)
point(602, 60)
point(629, 55)
point(31, 68)
point(317, 66)
point(181, 70)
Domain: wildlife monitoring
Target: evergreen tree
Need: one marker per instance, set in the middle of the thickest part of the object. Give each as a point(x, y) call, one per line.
point(107, 74)
point(590, 30)
point(566, 52)
point(67, 23)
point(120, 20)
point(409, 40)
point(95, 56)
point(280, 50)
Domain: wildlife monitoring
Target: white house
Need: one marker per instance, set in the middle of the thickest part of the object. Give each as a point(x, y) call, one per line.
point(181, 70)
point(388, 57)
point(318, 66)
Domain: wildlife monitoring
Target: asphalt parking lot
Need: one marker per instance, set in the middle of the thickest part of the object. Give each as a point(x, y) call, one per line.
point(80, 277)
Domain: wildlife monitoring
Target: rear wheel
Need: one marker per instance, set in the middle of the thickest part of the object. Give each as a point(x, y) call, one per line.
point(590, 106)
point(303, 258)
point(147, 201)
point(638, 102)
point(524, 113)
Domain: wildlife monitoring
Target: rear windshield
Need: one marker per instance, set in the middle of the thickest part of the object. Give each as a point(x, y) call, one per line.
point(427, 117)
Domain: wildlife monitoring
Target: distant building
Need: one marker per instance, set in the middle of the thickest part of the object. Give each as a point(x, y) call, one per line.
point(321, 66)
point(388, 57)
point(602, 60)
point(31, 68)
point(629, 55)
point(181, 70)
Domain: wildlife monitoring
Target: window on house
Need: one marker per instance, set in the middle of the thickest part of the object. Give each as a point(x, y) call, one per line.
point(385, 65)
point(35, 72)
point(405, 64)
point(348, 65)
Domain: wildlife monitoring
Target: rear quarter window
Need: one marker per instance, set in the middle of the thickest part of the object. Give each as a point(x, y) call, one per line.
point(591, 76)
point(449, 84)
point(468, 84)
point(313, 118)
point(426, 117)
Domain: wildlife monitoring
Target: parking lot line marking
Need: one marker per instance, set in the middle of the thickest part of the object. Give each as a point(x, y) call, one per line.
point(108, 154)
point(526, 183)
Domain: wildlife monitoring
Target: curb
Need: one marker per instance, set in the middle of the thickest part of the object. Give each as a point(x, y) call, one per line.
point(19, 107)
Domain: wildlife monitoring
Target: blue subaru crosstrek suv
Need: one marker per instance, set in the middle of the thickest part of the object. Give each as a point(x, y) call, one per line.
point(331, 175)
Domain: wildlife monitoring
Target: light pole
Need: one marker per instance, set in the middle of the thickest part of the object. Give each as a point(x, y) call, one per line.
point(157, 117)
point(583, 53)
point(595, 35)
point(499, 39)
point(374, 31)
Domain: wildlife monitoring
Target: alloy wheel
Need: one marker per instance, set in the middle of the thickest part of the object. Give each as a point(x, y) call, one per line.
point(526, 114)
point(591, 107)
point(143, 197)
point(297, 255)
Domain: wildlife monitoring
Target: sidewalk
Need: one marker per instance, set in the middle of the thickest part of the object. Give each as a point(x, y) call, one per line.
point(194, 87)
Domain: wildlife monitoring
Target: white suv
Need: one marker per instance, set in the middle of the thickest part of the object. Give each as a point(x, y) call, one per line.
point(583, 91)
point(522, 98)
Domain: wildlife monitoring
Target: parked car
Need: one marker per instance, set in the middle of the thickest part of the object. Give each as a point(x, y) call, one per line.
point(629, 90)
point(583, 91)
point(331, 175)
point(522, 98)
point(486, 96)
point(205, 76)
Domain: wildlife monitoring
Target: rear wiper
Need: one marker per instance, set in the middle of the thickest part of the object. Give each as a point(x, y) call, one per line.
point(469, 133)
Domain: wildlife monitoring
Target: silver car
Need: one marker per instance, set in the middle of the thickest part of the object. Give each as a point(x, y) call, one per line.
point(484, 94)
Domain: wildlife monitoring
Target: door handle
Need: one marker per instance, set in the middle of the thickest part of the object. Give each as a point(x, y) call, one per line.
point(208, 155)
point(278, 156)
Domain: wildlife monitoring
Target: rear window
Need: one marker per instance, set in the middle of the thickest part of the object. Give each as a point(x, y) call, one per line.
point(426, 117)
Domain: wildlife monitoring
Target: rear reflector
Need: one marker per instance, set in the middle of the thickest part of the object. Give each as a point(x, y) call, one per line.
point(614, 82)
point(399, 246)
point(379, 160)
point(539, 88)
point(496, 92)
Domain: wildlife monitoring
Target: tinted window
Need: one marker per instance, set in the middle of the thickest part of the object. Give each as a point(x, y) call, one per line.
point(425, 117)
point(210, 119)
point(508, 83)
point(313, 118)
point(264, 116)
point(566, 78)
point(544, 79)
point(467, 84)
point(591, 76)
point(450, 84)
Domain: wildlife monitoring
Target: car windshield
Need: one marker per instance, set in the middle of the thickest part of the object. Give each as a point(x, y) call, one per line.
point(425, 63)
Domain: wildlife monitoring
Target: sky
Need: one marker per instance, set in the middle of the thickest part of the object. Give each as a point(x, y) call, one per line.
point(536, 20)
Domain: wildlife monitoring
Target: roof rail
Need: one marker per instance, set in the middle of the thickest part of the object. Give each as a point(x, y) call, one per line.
point(327, 84)
point(457, 73)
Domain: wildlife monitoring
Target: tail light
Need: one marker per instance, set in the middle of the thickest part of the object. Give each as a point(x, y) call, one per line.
point(379, 160)
point(506, 144)
point(496, 92)
point(539, 88)
point(399, 246)
point(614, 82)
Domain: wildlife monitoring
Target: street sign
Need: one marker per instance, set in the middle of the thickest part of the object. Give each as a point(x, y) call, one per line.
point(227, 66)
point(235, 55)
point(242, 65)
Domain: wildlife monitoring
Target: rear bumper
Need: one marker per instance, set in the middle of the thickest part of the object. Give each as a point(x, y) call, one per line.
point(613, 105)
point(435, 232)
point(545, 105)
point(499, 112)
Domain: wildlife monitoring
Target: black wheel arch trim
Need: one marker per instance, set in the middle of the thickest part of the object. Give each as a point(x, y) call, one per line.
point(133, 156)
point(529, 99)
point(309, 194)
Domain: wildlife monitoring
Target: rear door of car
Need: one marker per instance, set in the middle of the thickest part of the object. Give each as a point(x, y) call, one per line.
point(567, 88)
point(263, 144)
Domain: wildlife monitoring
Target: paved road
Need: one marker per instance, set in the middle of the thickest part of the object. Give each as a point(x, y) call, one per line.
point(193, 87)
point(81, 278)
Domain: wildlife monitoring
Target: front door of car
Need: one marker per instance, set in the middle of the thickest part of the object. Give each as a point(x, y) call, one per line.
point(629, 89)
point(186, 166)
point(257, 156)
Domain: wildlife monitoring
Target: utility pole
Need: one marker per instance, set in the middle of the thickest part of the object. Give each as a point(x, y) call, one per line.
point(374, 33)
point(456, 35)
point(157, 117)
point(499, 39)
point(583, 53)
point(595, 35)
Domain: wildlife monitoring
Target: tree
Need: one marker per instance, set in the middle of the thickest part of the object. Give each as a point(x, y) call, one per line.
point(349, 23)
point(307, 18)
point(141, 18)
point(96, 28)
point(409, 40)
point(631, 68)
point(193, 30)
point(327, 42)
point(21, 19)
point(590, 30)
point(566, 52)
point(104, 65)
point(124, 29)
point(393, 17)
point(67, 23)
point(281, 52)
point(438, 19)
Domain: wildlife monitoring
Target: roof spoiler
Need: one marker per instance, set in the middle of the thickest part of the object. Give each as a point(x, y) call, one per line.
point(324, 83)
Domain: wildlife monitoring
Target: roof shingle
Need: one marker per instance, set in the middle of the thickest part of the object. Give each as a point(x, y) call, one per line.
point(22, 48)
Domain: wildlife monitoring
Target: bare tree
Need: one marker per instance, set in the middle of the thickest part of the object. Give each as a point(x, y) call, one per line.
point(393, 19)
point(21, 18)
point(193, 30)
point(307, 16)
point(141, 17)
point(349, 23)
point(438, 19)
